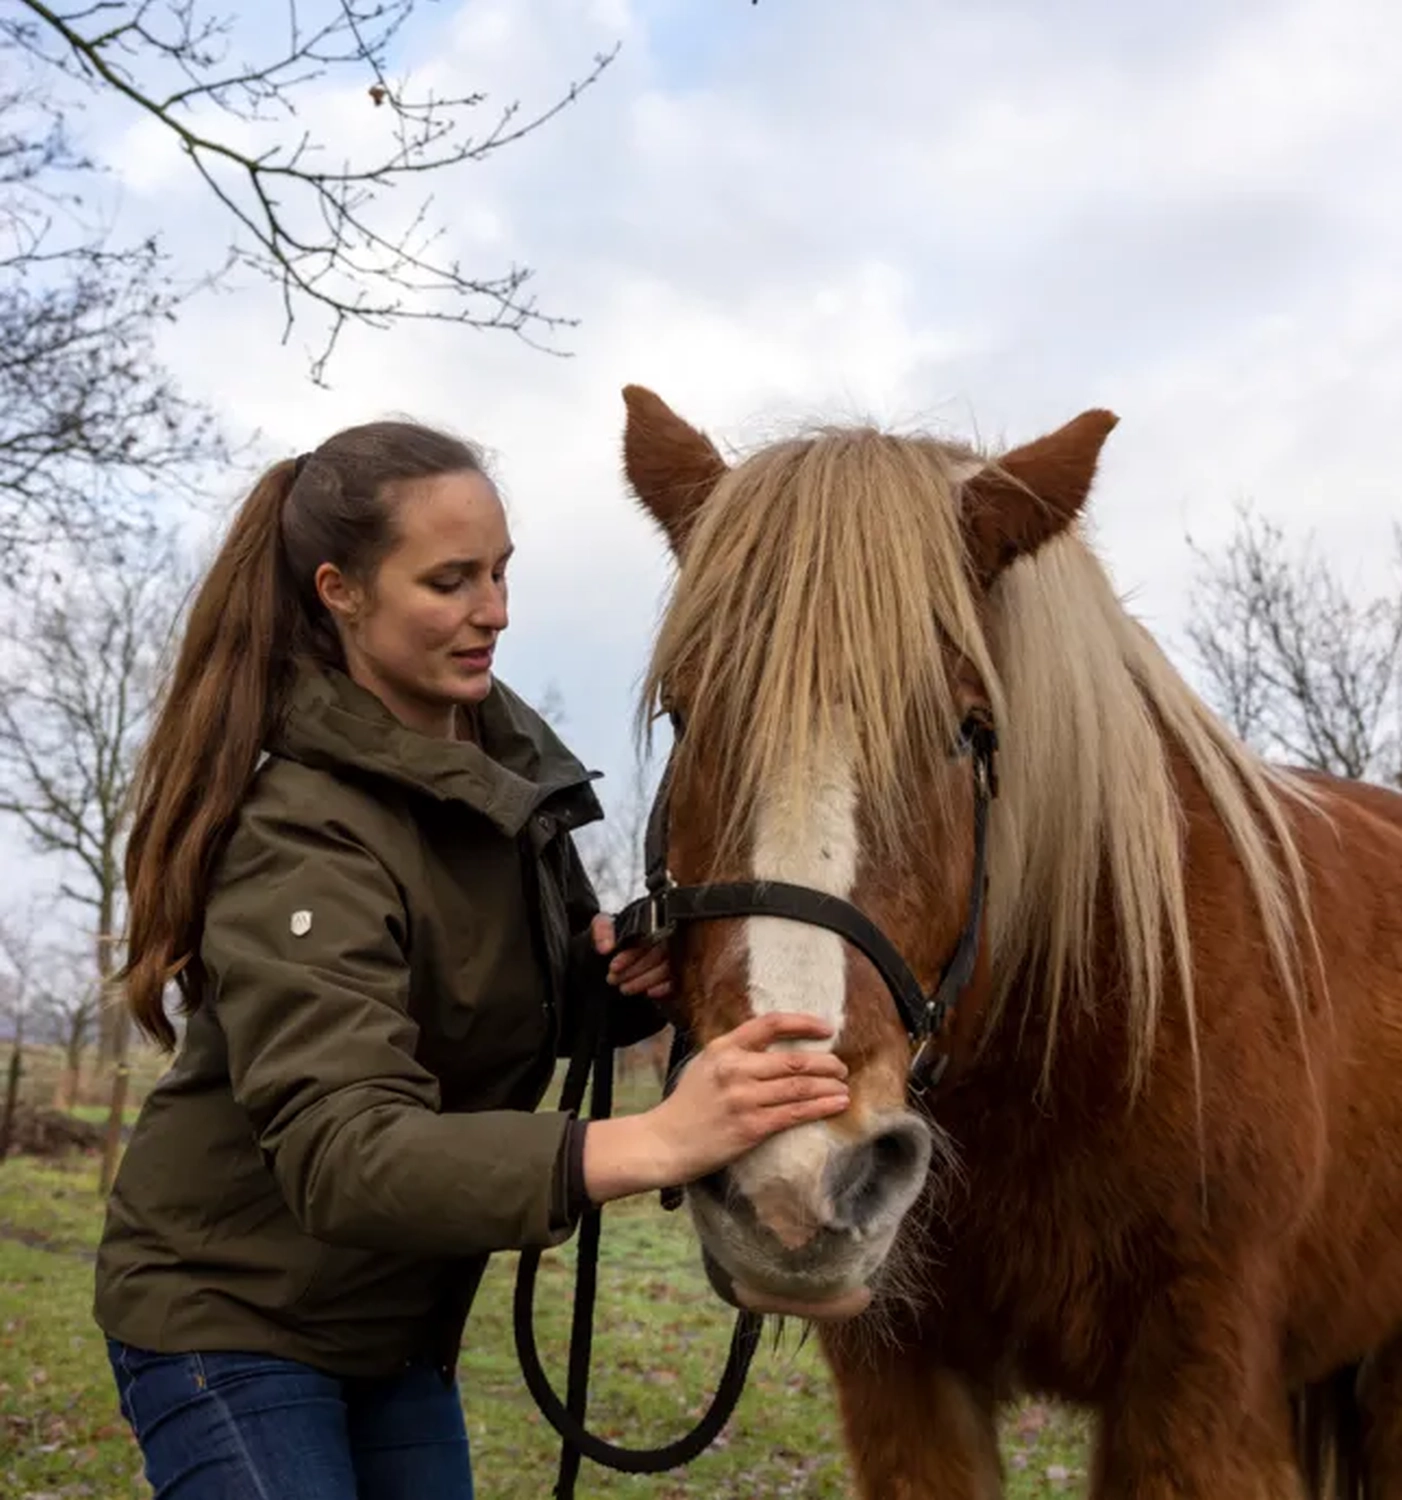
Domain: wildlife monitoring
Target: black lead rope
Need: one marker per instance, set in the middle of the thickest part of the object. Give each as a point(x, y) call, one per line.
point(595, 1054)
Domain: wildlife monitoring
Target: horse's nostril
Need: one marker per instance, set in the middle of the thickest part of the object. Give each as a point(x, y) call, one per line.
point(870, 1175)
point(895, 1151)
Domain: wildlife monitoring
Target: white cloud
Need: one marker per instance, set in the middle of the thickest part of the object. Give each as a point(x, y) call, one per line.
point(984, 215)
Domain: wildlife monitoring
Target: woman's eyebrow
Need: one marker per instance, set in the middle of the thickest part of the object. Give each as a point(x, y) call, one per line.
point(467, 563)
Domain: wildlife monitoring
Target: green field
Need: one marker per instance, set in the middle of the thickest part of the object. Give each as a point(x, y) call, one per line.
point(659, 1347)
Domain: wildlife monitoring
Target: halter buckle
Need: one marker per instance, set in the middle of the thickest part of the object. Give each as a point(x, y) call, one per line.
point(644, 922)
point(926, 1067)
point(658, 927)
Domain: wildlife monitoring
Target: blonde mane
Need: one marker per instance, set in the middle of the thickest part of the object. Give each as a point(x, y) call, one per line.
point(821, 585)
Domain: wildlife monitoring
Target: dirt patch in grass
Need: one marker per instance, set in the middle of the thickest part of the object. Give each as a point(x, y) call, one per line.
point(36, 1131)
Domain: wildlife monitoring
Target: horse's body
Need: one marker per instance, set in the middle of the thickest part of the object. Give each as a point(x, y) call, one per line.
point(1081, 1258)
point(1166, 1176)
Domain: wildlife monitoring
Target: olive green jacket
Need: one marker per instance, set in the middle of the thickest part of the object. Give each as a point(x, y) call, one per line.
point(395, 941)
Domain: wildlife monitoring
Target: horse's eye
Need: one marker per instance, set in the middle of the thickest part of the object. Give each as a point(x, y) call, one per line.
point(977, 722)
point(675, 717)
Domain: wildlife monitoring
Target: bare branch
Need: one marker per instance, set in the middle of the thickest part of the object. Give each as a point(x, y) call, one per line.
point(1297, 665)
point(75, 702)
point(20, 960)
point(613, 851)
point(321, 230)
point(65, 1000)
point(90, 424)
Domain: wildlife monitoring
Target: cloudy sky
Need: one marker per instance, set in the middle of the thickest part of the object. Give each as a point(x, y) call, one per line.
point(978, 215)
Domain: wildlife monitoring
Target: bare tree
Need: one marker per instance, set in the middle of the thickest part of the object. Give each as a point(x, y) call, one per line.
point(19, 966)
point(74, 709)
point(1297, 664)
point(612, 851)
point(551, 705)
point(89, 421)
point(330, 233)
point(64, 1012)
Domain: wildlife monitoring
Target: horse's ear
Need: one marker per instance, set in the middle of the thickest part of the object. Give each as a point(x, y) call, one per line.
point(671, 466)
point(1032, 493)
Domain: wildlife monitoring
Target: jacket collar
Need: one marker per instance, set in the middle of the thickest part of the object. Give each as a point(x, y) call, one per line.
point(520, 765)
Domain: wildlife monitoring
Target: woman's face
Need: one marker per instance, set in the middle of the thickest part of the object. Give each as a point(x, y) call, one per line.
point(421, 637)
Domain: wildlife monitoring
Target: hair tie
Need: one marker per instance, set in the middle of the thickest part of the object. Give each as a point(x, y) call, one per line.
point(298, 465)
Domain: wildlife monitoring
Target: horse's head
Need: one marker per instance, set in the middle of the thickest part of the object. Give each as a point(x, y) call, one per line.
point(824, 653)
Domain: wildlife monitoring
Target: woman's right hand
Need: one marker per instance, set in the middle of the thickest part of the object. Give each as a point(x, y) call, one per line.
point(730, 1097)
point(735, 1094)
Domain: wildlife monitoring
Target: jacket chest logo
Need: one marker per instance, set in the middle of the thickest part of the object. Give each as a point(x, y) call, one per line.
point(301, 923)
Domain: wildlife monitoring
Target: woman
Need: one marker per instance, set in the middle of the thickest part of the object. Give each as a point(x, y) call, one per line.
point(352, 854)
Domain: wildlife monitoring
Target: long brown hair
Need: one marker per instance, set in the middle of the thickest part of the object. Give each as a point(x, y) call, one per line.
point(255, 615)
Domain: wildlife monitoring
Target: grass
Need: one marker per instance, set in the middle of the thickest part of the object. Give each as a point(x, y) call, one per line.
point(96, 1114)
point(660, 1343)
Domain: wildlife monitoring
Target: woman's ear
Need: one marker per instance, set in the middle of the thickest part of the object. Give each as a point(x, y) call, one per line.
point(343, 598)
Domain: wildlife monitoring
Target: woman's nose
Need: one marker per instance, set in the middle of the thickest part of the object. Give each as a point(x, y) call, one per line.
point(490, 613)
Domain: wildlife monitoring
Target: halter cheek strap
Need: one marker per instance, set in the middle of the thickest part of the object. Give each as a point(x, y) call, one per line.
point(655, 916)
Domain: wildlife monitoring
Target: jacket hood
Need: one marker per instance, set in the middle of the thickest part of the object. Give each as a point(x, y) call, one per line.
point(520, 765)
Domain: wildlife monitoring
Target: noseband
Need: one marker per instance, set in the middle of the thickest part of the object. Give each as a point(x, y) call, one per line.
point(666, 906)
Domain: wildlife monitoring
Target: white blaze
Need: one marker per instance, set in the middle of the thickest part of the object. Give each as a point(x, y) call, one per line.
point(794, 966)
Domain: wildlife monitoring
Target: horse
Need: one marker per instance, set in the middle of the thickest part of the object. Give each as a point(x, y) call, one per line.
point(1156, 1172)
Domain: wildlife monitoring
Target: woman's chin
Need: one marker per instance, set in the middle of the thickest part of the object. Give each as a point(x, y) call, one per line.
point(470, 687)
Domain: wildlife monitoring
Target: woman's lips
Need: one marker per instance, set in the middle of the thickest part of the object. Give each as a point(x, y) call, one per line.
point(479, 660)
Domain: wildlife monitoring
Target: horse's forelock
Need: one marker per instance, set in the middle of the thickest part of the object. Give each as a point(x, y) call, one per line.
point(820, 587)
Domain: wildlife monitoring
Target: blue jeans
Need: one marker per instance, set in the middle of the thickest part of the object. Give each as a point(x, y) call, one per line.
point(253, 1427)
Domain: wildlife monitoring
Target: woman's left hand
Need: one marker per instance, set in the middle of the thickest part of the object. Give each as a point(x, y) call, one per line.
point(636, 971)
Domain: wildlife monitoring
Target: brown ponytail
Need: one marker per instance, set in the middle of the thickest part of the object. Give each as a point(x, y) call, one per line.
point(254, 616)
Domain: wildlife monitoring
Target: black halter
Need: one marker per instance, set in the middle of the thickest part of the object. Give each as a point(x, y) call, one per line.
point(655, 916)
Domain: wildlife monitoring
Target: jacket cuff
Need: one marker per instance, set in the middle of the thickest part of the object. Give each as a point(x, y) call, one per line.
point(569, 1200)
